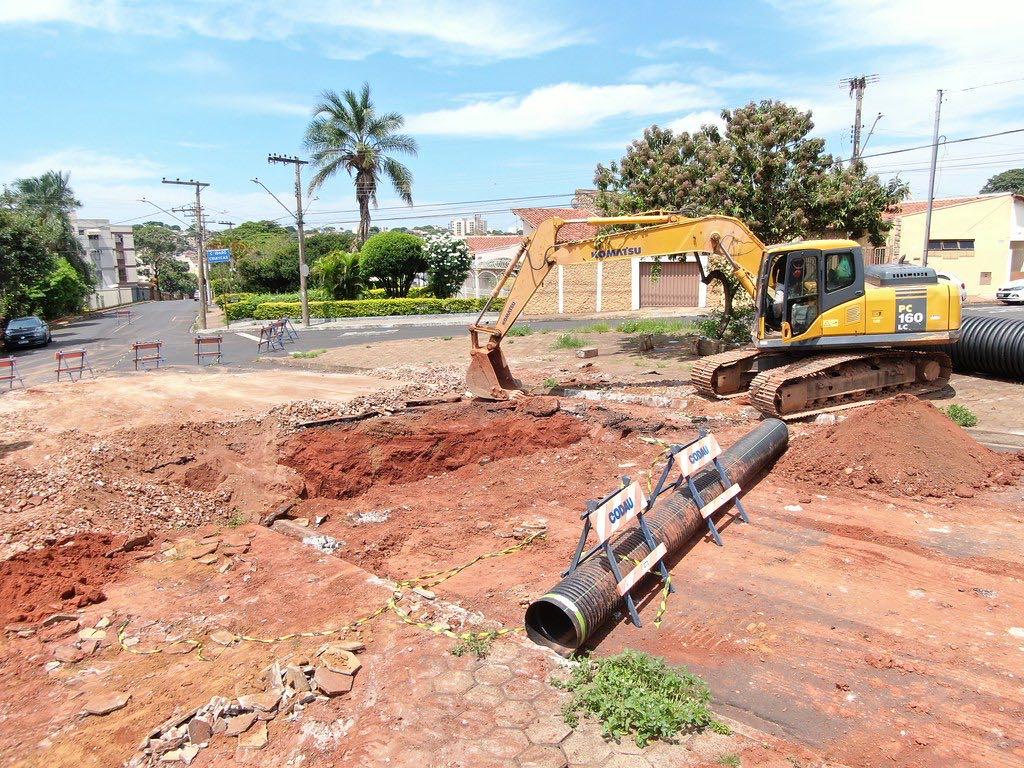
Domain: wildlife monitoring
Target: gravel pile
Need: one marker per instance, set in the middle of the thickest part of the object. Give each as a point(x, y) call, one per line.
point(86, 489)
point(423, 382)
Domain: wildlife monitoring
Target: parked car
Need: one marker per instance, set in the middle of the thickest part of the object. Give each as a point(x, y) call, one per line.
point(949, 277)
point(1012, 292)
point(26, 332)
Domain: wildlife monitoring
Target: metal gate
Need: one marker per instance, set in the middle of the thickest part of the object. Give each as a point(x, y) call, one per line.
point(678, 285)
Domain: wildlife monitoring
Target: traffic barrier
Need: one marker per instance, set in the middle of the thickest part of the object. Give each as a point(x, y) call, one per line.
point(124, 314)
point(209, 347)
point(71, 362)
point(271, 338)
point(148, 353)
point(9, 373)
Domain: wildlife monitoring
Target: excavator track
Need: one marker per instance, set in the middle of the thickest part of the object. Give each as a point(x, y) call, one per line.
point(831, 382)
point(725, 374)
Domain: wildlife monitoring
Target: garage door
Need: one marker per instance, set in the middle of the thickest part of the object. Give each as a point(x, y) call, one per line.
point(678, 285)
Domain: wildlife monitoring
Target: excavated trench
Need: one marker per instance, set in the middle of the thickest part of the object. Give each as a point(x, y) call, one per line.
point(343, 462)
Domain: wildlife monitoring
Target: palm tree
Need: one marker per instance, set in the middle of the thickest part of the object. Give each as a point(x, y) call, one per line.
point(347, 133)
point(49, 196)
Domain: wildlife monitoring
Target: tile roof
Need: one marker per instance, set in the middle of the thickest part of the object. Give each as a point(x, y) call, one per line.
point(481, 243)
point(920, 206)
point(534, 216)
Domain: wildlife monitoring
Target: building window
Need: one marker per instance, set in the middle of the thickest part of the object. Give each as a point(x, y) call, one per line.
point(950, 245)
point(880, 255)
point(985, 279)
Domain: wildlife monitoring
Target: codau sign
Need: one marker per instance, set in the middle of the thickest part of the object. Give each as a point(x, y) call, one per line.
point(218, 256)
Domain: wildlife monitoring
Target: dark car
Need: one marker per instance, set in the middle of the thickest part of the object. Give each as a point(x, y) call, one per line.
point(26, 332)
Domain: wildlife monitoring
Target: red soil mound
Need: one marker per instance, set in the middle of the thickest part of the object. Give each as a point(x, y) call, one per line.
point(903, 445)
point(66, 575)
point(342, 463)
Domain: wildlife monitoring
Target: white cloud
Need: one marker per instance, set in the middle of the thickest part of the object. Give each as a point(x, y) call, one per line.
point(85, 166)
point(694, 121)
point(562, 108)
point(198, 63)
point(652, 73)
point(263, 104)
point(678, 44)
point(352, 29)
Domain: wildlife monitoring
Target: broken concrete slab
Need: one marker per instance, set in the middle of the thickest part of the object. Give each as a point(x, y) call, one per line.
point(255, 738)
point(104, 703)
point(332, 683)
point(200, 730)
point(339, 660)
point(239, 724)
point(261, 702)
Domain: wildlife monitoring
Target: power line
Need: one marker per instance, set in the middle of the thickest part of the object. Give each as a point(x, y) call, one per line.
point(944, 143)
point(988, 85)
point(450, 202)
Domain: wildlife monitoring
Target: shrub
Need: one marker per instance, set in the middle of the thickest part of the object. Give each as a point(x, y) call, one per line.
point(448, 262)
point(636, 694)
point(519, 330)
point(963, 416)
point(63, 290)
point(274, 310)
point(594, 328)
point(339, 275)
point(394, 258)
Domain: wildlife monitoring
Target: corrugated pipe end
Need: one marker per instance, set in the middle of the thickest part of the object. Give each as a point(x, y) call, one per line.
point(554, 622)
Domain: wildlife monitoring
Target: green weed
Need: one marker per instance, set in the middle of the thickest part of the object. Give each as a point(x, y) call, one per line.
point(731, 759)
point(519, 330)
point(568, 341)
point(446, 338)
point(550, 383)
point(476, 646)
point(963, 416)
point(308, 355)
point(594, 328)
point(236, 520)
point(638, 695)
point(650, 325)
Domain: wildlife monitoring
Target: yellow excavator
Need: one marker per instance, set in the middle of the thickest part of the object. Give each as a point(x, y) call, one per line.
point(828, 331)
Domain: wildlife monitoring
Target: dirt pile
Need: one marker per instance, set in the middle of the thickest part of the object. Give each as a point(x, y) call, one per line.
point(343, 462)
point(903, 445)
point(62, 577)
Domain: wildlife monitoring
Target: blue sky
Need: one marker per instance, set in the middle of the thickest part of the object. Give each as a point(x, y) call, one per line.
point(506, 98)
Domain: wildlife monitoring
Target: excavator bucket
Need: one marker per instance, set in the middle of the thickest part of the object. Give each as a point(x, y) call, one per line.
point(489, 377)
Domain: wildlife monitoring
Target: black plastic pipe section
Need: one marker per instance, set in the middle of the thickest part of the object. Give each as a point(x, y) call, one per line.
point(992, 345)
point(566, 616)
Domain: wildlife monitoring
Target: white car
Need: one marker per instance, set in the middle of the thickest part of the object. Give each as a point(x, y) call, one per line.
point(1012, 292)
point(949, 277)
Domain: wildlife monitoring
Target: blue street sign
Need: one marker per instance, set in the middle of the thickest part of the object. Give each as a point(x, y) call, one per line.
point(219, 256)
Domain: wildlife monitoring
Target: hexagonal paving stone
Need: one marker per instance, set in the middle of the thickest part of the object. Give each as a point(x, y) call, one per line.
point(539, 756)
point(504, 742)
point(627, 761)
point(549, 730)
point(453, 682)
point(585, 747)
point(507, 653)
point(493, 674)
point(523, 689)
point(514, 713)
point(626, 746)
point(477, 719)
point(669, 755)
point(484, 696)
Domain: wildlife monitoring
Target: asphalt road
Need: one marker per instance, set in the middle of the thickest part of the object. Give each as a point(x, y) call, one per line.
point(1014, 311)
point(108, 339)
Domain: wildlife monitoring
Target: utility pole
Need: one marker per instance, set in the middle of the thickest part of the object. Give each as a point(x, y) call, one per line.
point(857, 86)
point(202, 245)
point(931, 179)
point(303, 269)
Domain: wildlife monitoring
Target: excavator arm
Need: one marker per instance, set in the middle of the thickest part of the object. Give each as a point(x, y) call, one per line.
point(659, 235)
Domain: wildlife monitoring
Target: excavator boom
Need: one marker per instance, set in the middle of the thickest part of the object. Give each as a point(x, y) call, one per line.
point(662, 235)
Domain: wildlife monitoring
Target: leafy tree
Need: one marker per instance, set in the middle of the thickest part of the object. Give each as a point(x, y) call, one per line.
point(394, 258)
point(338, 273)
point(63, 291)
point(176, 278)
point(448, 263)
point(1007, 181)
point(319, 244)
point(347, 133)
point(25, 261)
point(158, 247)
point(50, 200)
point(765, 169)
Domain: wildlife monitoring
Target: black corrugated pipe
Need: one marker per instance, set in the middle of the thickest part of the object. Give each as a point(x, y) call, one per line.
point(566, 616)
point(989, 345)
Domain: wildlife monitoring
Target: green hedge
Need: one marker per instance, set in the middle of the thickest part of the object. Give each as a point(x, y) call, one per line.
point(274, 310)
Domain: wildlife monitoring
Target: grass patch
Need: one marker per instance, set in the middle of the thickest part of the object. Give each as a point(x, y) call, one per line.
point(447, 338)
point(568, 341)
point(308, 355)
point(635, 694)
point(594, 328)
point(473, 646)
point(963, 416)
point(519, 330)
point(650, 325)
point(236, 520)
point(550, 383)
point(731, 759)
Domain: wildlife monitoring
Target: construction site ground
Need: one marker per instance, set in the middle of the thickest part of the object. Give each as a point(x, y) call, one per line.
point(862, 618)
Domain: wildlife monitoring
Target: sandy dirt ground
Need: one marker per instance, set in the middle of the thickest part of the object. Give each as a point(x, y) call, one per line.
point(858, 620)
